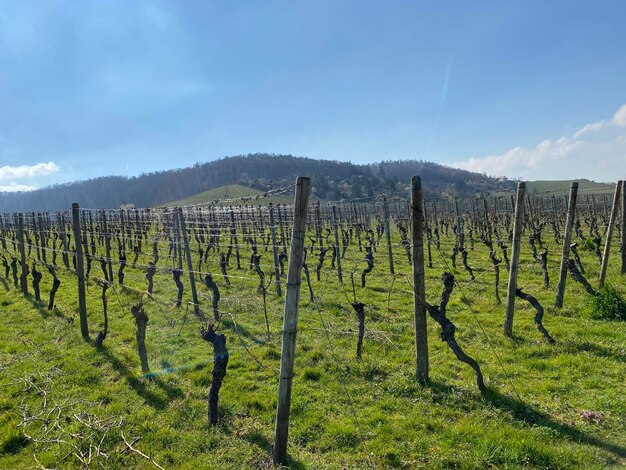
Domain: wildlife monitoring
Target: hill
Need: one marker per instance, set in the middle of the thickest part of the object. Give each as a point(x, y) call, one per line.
point(332, 180)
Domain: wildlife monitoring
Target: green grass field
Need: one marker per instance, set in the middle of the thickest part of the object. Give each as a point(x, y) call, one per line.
point(561, 187)
point(232, 194)
point(66, 403)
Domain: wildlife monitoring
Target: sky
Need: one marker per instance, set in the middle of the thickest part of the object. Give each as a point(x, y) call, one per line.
point(522, 89)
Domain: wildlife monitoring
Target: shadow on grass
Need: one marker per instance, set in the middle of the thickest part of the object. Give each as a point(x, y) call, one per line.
point(243, 331)
point(254, 437)
point(42, 308)
point(5, 283)
point(141, 386)
point(529, 415)
point(258, 439)
point(596, 350)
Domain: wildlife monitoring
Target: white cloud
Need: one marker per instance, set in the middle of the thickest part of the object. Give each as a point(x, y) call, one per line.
point(12, 187)
point(600, 156)
point(27, 171)
point(619, 118)
point(518, 159)
point(592, 127)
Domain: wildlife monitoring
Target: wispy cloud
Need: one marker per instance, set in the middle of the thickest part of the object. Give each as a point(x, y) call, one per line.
point(27, 171)
point(618, 120)
point(14, 187)
point(601, 155)
point(591, 127)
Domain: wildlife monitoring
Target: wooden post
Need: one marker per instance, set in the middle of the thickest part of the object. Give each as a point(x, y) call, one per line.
point(487, 222)
point(20, 244)
point(517, 235)
point(138, 230)
point(337, 245)
point(593, 205)
point(318, 225)
point(123, 230)
point(179, 245)
point(290, 322)
point(275, 250)
point(460, 239)
point(419, 287)
point(3, 242)
point(233, 231)
point(623, 238)
point(192, 279)
point(33, 216)
point(609, 234)
point(282, 226)
point(567, 239)
point(388, 234)
point(80, 270)
point(66, 250)
point(42, 237)
point(428, 236)
point(107, 245)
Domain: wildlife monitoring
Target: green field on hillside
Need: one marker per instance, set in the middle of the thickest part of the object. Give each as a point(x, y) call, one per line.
point(560, 188)
point(232, 194)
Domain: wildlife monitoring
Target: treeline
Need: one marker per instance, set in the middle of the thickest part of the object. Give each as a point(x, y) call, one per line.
point(332, 180)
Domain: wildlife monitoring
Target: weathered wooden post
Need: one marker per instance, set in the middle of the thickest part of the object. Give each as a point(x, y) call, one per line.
point(419, 287)
point(192, 279)
point(515, 252)
point(20, 244)
point(3, 241)
point(107, 245)
point(318, 225)
point(281, 224)
point(66, 250)
point(623, 237)
point(233, 232)
point(179, 242)
point(428, 236)
point(609, 233)
point(337, 245)
point(290, 322)
point(460, 238)
point(42, 237)
point(80, 270)
point(275, 250)
point(388, 234)
point(567, 239)
point(123, 230)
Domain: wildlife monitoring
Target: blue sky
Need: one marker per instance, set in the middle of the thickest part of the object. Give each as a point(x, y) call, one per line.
point(529, 89)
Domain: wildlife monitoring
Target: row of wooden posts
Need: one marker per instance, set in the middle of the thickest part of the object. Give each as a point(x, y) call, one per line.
point(292, 295)
point(419, 288)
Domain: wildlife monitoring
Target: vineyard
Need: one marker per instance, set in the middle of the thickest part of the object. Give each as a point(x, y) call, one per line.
point(396, 332)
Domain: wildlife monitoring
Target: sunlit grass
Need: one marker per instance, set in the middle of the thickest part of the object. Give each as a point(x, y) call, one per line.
point(445, 424)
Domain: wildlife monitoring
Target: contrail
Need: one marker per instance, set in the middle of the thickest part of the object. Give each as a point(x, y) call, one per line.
point(442, 103)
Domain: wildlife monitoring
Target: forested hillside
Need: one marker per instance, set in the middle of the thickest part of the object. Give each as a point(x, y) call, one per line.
point(332, 180)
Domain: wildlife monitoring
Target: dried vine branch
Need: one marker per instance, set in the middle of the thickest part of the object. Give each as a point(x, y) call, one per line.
point(447, 329)
point(538, 316)
point(220, 361)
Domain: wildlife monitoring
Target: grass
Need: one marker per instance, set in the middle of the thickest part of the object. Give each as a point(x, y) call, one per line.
point(232, 194)
point(561, 187)
point(86, 397)
point(608, 304)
